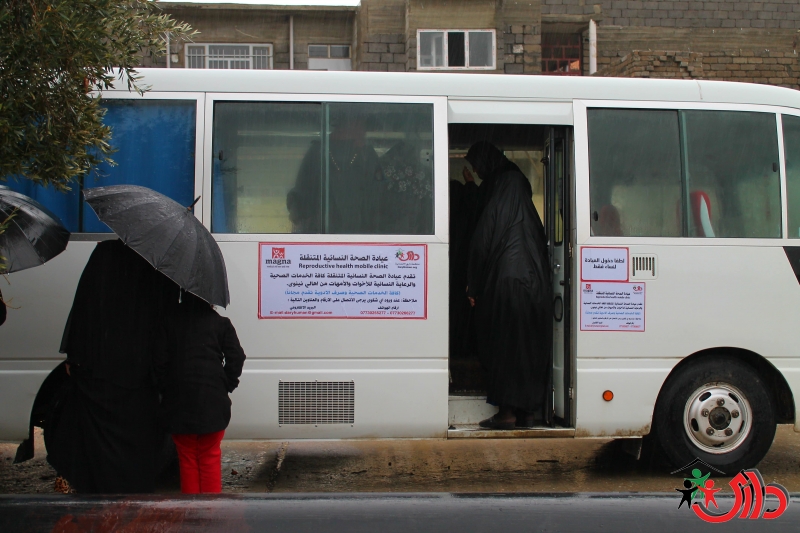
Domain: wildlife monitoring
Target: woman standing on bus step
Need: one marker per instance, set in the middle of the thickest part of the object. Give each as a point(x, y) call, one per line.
point(510, 288)
point(198, 362)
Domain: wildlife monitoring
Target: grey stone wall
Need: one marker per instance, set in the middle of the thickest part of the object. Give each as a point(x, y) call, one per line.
point(784, 14)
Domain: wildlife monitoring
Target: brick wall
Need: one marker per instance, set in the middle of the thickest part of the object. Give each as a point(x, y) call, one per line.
point(381, 41)
point(783, 14)
point(571, 7)
point(773, 67)
point(266, 26)
point(384, 52)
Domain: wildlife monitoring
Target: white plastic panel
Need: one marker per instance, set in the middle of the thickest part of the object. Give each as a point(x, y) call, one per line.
point(509, 112)
point(393, 399)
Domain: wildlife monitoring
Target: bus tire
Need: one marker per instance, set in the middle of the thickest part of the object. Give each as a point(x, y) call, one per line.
point(715, 409)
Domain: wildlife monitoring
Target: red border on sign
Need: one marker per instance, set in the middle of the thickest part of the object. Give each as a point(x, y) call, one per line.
point(425, 303)
point(644, 308)
point(627, 263)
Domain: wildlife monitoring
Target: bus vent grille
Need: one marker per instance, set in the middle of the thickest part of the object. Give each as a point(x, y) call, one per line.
point(316, 402)
point(643, 267)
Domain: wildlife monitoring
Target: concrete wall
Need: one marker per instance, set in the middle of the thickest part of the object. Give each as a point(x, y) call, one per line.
point(383, 33)
point(784, 14)
point(773, 67)
point(269, 27)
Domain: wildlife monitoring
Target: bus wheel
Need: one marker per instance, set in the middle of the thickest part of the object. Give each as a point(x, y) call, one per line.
point(718, 410)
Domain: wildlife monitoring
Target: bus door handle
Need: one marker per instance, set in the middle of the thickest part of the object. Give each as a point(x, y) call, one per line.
point(558, 309)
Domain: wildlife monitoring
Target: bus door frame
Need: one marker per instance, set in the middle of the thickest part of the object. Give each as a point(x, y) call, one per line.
point(558, 190)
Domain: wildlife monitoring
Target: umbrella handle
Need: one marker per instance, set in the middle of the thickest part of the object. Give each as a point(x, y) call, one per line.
point(195, 201)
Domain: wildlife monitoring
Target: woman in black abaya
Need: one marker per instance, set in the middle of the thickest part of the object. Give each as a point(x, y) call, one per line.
point(103, 434)
point(510, 288)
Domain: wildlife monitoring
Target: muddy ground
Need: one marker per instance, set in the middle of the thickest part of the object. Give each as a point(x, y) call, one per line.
point(460, 465)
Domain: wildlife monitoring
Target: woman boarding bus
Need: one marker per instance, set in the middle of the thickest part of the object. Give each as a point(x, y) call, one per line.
point(671, 210)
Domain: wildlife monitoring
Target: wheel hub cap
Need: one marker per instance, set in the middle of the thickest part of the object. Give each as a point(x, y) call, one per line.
point(717, 418)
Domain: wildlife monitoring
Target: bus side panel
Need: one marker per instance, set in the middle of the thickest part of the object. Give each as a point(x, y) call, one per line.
point(398, 366)
point(40, 300)
point(635, 384)
point(790, 368)
point(703, 297)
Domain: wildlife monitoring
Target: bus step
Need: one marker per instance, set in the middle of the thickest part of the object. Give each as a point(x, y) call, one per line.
point(473, 431)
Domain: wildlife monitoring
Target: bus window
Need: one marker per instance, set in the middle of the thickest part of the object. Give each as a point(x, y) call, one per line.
point(635, 173)
point(791, 143)
point(322, 168)
point(732, 174)
point(664, 173)
point(154, 142)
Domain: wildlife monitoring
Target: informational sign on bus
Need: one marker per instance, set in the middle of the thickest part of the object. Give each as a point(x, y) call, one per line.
point(604, 264)
point(612, 306)
point(334, 280)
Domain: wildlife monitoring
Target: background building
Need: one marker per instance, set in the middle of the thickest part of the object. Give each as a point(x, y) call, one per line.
point(743, 41)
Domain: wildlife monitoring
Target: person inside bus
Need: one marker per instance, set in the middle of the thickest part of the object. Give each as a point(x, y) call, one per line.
point(104, 435)
point(509, 286)
point(352, 183)
point(197, 364)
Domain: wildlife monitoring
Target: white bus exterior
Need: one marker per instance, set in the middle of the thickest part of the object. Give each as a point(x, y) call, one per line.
point(711, 346)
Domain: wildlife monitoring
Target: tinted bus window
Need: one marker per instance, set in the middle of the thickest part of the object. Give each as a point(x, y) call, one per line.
point(791, 143)
point(322, 168)
point(155, 144)
point(670, 173)
point(732, 174)
point(635, 173)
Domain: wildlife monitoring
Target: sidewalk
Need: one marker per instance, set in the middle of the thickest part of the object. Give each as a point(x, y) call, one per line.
point(459, 465)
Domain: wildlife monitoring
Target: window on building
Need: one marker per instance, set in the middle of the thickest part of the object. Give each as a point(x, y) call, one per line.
point(331, 168)
point(456, 49)
point(561, 54)
point(155, 148)
point(329, 57)
point(668, 173)
point(229, 56)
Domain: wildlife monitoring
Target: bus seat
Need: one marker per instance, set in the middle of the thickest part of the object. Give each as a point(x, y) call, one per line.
point(608, 222)
point(701, 211)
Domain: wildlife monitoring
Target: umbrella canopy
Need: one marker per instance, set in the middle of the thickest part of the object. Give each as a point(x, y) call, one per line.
point(34, 235)
point(167, 235)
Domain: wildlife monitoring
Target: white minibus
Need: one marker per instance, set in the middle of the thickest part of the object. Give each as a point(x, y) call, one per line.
point(671, 207)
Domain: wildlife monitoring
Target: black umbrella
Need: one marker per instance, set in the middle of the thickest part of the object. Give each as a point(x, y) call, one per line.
point(34, 234)
point(167, 235)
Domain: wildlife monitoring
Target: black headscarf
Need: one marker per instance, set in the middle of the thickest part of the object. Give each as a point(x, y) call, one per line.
point(487, 160)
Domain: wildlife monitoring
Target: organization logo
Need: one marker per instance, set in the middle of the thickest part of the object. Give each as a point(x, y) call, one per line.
point(638, 288)
point(406, 256)
point(587, 287)
point(753, 498)
point(278, 257)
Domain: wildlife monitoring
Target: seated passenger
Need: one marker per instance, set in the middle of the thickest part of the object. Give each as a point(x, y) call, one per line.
point(353, 174)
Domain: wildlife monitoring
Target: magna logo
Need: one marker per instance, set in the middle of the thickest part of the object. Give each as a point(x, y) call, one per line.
point(278, 257)
point(406, 256)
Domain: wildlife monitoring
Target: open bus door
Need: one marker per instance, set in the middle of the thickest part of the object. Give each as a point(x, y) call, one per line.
point(557, 185)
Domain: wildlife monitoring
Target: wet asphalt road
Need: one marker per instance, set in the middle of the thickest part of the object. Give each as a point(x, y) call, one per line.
point(358, 486)
point(384, 513)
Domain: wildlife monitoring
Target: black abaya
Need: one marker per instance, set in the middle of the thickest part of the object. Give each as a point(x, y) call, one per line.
point(103, 434)
point(509, 279)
